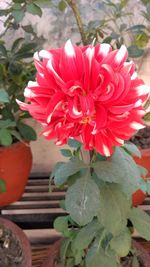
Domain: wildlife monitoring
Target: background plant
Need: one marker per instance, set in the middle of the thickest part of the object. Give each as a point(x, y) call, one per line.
point(14, 73)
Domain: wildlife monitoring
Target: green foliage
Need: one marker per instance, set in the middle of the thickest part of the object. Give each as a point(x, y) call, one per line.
point(134, 51)
point(62, 5)
point(85, 236)
point(96, 256)
point(141, 222)
point(114, 205)
point(120, 169)
point(5, 137)
point(4, 97)
point(18, 15)
point(83, 200)
point(74, 143)
point(121, 244)
point(135, 262)
point(7, 123)
point(27, 132)
point(61, 224)
point(14, 73)
point(132, 149)
point(66, 153)
point(65, 170)
point(34, 9)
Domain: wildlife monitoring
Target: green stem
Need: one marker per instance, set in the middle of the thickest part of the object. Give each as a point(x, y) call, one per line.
point(75, 9)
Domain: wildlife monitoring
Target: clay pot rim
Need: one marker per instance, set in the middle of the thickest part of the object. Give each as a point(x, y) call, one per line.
point(53, 251)
point(14, 145)
point(22, 238)
point(145, 152)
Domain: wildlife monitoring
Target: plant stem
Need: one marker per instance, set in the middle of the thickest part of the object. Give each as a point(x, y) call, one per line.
point(74, 7)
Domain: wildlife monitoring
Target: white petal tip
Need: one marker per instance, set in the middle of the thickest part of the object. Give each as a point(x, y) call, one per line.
point(69, 49)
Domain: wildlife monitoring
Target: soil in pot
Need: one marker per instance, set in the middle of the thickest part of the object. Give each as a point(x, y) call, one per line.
point(10, 249)
point(52, 259)
point(14, 247)
point(142, 138)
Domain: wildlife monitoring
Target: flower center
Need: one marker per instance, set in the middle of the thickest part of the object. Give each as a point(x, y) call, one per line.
point(86, 120)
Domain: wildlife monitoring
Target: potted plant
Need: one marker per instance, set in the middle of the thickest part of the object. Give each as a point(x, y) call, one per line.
point(141, 139)
point(15, 134)
point(14, 246)
point(90, 98)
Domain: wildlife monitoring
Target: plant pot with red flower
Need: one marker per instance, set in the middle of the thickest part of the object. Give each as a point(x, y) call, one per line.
point(15, 250)
point(90, 98)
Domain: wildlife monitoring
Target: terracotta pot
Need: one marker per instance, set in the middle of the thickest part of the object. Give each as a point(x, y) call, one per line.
point(139, 196)
point(22, 238)
point(53, 254)
point(144, 160)
point(15, 166)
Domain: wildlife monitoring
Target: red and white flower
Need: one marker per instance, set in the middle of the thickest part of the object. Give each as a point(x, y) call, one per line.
point(88, 93)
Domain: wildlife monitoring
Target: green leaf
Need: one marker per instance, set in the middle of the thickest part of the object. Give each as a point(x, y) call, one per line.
point(85, 236)
point(61, 224)
point(63, 249)
point(114, 205)
point(2, 186)
point(74, 143)
point(16, 135)
point(135, 262)
point(62, 5)
point(4, 12)
point(121, 244)
point(34, 9)
point(131, 175)
point(83, 200)
point(67, 169)
point(17, 6)
point(120, 169)
point(134, 51)
point(57, 166)
point(66, 153)
point(108, 171)
point(132, 149)
point(3, 51)
point(96, 256)
point(143, 171)
point(141, 222)
point(7, 123)
point(16, 44)
point(18, 15)
point(23, 55)
point(148, 187)
point(141, 40)
point(26, 47)
point(27, 132)
point(70, 262)
point(137, 28)
point(4, 97)
point(43, 3)
point(28, 29)
point(5, 137)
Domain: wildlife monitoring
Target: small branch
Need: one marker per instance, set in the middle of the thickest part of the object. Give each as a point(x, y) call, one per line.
point(74, 7)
